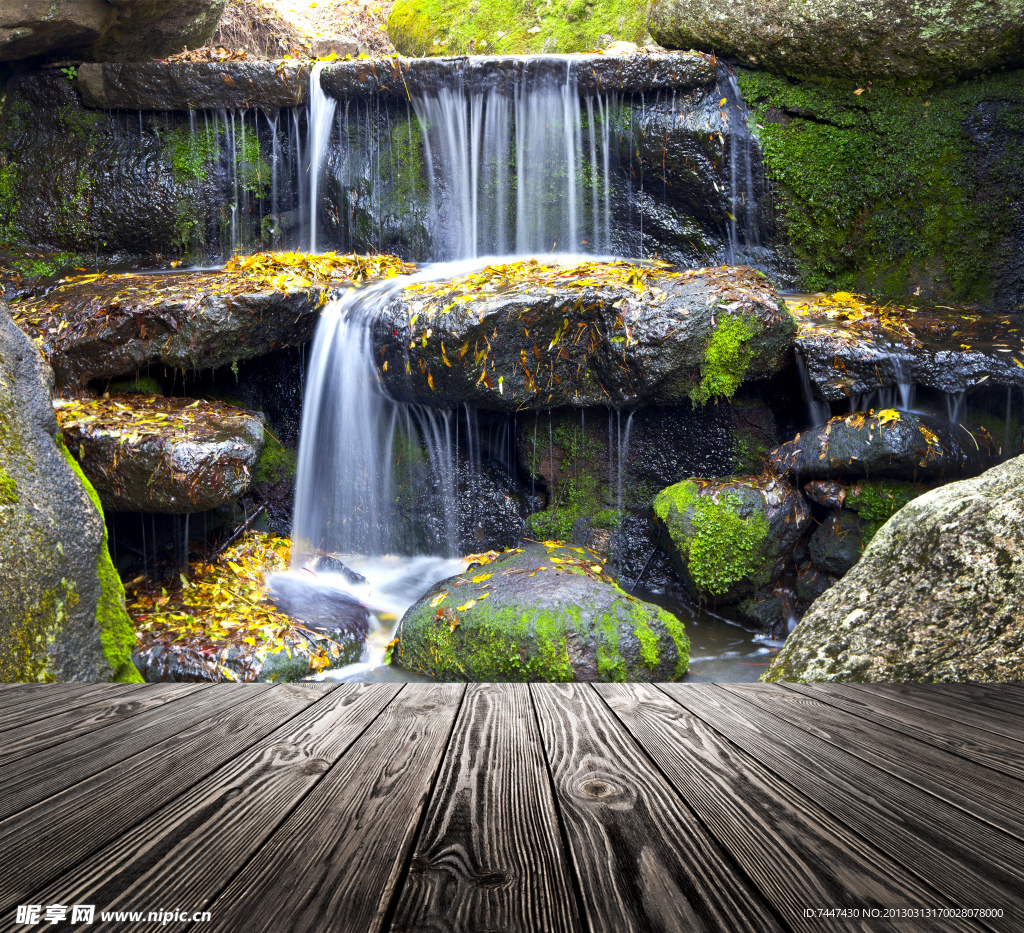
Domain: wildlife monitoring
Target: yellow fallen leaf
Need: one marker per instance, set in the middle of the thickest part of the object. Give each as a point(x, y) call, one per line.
point(468, 605)
point(481, 577)
point(437, 600)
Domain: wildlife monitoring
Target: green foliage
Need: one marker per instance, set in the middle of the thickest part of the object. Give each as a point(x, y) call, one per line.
point(650, 644)
point(880, 190)
point(720, 546)
point(253, 169)
point(876, 502)
point(276, 463)
point(9, 203)
point(726, 358)
point(8, 487)
point(71, 72)
point(491, 27)
point(191, 154)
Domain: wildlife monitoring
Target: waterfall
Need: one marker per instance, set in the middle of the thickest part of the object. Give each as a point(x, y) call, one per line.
point(321, 118)
point(744, 227)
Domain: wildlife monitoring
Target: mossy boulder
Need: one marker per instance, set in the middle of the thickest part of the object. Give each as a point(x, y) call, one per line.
point(544, 613)
point(448, 27)
point(730, 538)
point(156, 454)
point(863, 39)
point(888, 443)
point(937, 595)
point(62, 612)
point(531, 336)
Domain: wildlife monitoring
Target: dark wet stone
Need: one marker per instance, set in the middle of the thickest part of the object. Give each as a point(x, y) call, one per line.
point(120, 325)
point(320, 606)
point(540, 614)
point(627, 74)
point(772, 607)
point(328, 563)
point(810, 584)
point(168, 466)
point(836, 545)
point(187, 86)
point(826, 492)
point(628, 348)
point(900, 445)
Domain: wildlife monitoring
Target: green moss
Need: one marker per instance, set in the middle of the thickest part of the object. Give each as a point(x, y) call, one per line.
point(140, 385)
point(24, 650)
point(491, 27)
point(726, 358)
point(720, 546)
point(678, 635)
point(611, 665)
point(276, 463)
point(117, 635)
point(8, 487)
point(253, 169)
point(650, 644)
point(191, 154)
point(10, 205)
point(876, 502)
point(880, 190)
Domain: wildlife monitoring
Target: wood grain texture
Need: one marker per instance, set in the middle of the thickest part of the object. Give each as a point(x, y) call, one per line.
point(973, 863)
point(923, 697)
point(984, 748)
point(795, 852)
point(999, 697)
point(33, 737)
point(334, 864)
point(38, 776)
point(41, 841)
point(489, 856)
point(195, 844)
point(32, 702)
point(985, 794)
point(643, 860)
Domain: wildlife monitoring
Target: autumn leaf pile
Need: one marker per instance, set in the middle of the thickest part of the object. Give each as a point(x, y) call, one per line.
point(131, 418)
point(208, 54)
point(306, 270)
point(858, 314)
point(221, 614)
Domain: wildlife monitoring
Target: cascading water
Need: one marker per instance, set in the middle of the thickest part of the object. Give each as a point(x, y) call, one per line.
point(321, 117)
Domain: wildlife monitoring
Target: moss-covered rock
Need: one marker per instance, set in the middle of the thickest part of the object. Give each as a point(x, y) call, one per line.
point(157, 454)
point(937, 595)
point(489, 27)
point(888, 443)
point(62, 613)
point(897, 190)
point(863, 39)
point(531, 336)
point(730, 538)
point(544, 613)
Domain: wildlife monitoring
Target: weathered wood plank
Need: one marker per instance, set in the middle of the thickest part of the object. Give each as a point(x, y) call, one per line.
point(919, 696)
point(643, 861)
point(489, 856)
point(41, 701)
point(998, 697)
point(967, 859)
point(985, 794)
point(350, 838)
point(195, 844)
point(796, 853)
point(984, 748)
point(42, 841)
point(38, 776)
point(45, 733)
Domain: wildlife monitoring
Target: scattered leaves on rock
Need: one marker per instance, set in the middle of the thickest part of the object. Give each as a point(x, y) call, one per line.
point(219, 623)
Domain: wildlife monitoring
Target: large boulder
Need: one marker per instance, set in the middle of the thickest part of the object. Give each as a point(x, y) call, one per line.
point(544, 613)
point(730, 539)
point(531, 336)
point(125, 30)
point(864, 39)
point(146, 453)
point(937, 595)
point(62, 613)
point(888, 443)
point(102, 326)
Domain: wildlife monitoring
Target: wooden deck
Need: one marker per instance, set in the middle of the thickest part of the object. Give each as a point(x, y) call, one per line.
point(505, 807)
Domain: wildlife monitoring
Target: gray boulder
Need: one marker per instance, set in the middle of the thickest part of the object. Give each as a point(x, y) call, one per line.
point(729, 539)
point(863, 39)
point(893, 444)
point(156, 454)
point(545, 613)
point(126, 30)
point(937, 595)
point(525, 336)
point(62, 612)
